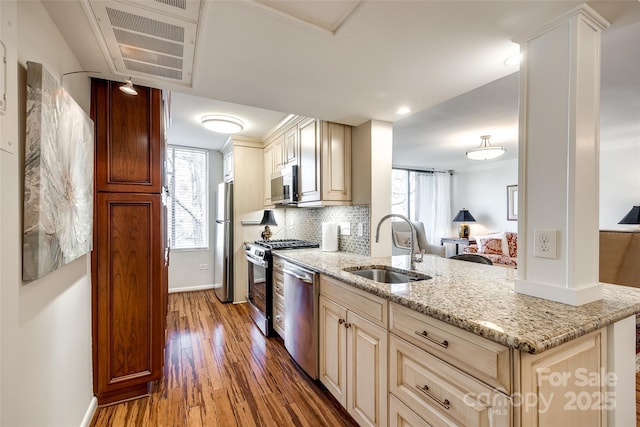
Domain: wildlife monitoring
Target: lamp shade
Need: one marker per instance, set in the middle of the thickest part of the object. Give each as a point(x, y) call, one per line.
point(464, 216)
point(633, 217)
point(268, 218)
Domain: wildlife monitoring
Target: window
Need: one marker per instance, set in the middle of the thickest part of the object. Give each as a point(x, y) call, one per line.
point(424, 196)
point(188, 201)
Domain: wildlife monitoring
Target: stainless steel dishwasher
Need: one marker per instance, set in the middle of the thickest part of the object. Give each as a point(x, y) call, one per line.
point(301, 317)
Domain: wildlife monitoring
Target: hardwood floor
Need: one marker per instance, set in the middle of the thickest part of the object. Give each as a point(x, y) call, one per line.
point(638, 398)
point(221, 371)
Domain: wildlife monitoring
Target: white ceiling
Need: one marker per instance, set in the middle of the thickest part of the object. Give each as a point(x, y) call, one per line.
point(351, 61)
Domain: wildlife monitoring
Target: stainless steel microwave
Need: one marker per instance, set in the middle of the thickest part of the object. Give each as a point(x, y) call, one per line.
point(284, 186)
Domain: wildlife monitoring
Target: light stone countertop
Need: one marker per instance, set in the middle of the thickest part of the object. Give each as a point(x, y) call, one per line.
point(479, 298)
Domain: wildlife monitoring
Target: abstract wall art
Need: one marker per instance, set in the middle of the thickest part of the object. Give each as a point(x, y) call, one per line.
point(58, 181)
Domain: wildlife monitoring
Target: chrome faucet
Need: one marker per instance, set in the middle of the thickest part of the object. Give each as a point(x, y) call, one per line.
point(414, 234)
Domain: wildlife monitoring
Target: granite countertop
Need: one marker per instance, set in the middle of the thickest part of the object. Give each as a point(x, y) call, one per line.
point(479, 298)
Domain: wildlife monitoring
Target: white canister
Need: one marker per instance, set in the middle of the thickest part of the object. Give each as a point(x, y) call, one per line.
point(329, 237)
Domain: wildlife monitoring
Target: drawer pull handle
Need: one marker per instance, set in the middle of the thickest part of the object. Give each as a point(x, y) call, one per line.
point(425, 389)
point(425, 335)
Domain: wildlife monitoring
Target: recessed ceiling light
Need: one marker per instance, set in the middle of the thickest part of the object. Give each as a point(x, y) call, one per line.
point(403, 110)
point(222, 124)
point(513, 60)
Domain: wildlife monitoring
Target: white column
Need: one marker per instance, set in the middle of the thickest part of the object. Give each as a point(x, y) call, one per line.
point(372, 144)
point(559, 159)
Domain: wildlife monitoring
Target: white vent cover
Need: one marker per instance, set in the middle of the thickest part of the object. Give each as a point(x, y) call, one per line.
point(148, 38)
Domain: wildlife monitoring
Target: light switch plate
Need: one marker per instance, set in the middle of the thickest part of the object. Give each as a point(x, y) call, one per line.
point(345, 229)
point(545, 243)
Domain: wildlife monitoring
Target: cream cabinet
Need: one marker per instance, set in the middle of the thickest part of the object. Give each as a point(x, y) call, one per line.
point(568, 385)
point(268, 164)
point(278, 296)
point(445, 375)
point(325, 163)
point(290, 147)
point(278, 153)
point(227, 164)
point(353, 351)
point(388, 364)
point(322, 152)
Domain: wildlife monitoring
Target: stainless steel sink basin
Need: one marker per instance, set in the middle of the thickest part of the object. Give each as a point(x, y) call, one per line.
point(384, 274)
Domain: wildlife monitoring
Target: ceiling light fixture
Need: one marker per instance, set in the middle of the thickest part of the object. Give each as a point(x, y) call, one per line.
point(486, 151)
point(403, 110)
point(222, 124)
point(128, 88)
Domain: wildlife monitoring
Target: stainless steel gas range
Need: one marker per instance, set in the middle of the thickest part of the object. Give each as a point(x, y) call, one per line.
point(260, 294)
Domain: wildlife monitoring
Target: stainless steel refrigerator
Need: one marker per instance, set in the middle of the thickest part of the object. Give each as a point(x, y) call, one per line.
point(223, 268)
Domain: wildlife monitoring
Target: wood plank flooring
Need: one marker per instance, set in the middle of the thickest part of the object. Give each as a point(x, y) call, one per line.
point(221, 371)
point(638, 398)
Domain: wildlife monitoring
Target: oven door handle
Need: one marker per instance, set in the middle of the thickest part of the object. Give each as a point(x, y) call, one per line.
point(305, 279)
point(261, 263)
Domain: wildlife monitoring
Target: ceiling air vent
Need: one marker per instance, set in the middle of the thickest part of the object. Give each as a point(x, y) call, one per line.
point(148, 38)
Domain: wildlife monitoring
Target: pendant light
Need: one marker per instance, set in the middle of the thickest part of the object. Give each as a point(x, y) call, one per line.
point(486, 151)
point(128, 88)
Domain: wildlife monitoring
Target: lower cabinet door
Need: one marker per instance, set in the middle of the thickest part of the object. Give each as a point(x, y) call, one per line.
point(367, 371)
point(128, 326)
point(333, 349)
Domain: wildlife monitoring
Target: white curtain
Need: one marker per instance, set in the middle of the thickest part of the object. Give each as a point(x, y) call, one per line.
point(433, 204)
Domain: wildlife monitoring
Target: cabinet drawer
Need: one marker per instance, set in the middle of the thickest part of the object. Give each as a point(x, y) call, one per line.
point(278, 264)
point(480, 357)
point(278, 284)
point(401, 416)
point(427, 384)
point(278, 319)
point(278, 299)
point(365, 304)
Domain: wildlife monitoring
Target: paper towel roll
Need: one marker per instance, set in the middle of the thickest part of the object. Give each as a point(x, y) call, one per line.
point(329, 237)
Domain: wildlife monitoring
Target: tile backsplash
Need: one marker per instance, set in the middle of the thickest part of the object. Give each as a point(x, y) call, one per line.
point(306, 224)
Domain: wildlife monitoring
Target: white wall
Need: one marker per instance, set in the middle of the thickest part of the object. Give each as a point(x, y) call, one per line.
point(184, 266)
point(46, 374)
point(619, 183)
point(482, 189)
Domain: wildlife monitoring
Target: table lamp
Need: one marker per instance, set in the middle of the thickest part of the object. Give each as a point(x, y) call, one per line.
point(633, 217)
point(463, 217)
point(268, 218)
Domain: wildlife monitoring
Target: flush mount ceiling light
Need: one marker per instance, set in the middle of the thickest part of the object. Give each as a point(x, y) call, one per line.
point(222, 124)
point(513, 60)
point(403, 110)
point(486, 151)
point(128, 88)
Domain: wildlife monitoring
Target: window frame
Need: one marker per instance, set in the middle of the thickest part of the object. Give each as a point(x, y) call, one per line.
point(171, 204)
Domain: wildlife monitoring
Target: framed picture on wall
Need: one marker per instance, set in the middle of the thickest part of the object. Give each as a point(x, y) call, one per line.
point(512, 202)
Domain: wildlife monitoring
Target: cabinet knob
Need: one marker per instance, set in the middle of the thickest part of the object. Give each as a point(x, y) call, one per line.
point(340, 321)
point(347, 325)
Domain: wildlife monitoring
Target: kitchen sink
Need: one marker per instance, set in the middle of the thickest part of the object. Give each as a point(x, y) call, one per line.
point(385, 274)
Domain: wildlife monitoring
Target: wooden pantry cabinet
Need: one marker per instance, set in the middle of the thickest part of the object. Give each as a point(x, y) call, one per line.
point(130, 255)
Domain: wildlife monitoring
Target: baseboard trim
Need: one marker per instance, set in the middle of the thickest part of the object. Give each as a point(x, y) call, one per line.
point(91, 411)
point(191, 288)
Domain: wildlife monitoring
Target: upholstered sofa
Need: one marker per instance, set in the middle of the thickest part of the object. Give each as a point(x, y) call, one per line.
point(500, 248)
